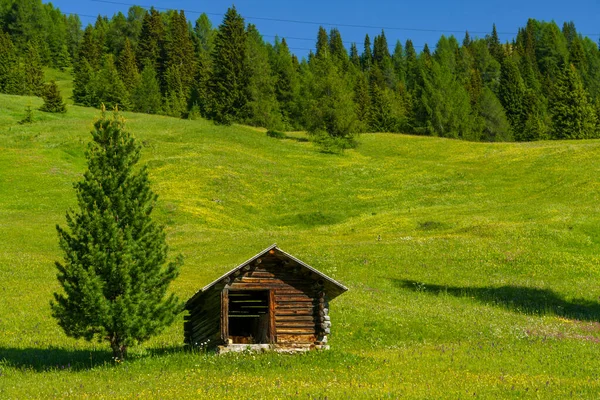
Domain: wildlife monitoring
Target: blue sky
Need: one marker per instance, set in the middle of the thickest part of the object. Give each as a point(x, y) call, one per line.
point(421, 21)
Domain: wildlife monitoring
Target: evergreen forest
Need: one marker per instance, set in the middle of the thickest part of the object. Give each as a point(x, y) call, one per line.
point(545, 84)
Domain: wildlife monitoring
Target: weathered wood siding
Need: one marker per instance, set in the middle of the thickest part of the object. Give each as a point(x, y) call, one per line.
point(294, 298)
point(296, 303)
point(204, 319)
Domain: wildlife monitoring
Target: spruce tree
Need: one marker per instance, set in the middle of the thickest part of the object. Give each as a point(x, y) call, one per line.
point(179, 52)
point(512, 97)
point(115, 273)
point(33, 71)
point(262, 108)
point(495, 46)
point(108, 87)
point(573, 116)
point(322, 43)
point(83, 84)
point(146, 97)
point(127, 67)
point(10, 77)
point(53, 101)
point(367, 55)
point(151, 41)
point(231, 72)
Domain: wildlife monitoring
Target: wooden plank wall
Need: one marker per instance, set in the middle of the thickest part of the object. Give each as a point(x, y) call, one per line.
point(203, 322)
point(294, 293)
point(297, 301)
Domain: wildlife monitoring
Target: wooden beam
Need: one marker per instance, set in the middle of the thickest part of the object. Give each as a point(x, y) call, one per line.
point(225, 315)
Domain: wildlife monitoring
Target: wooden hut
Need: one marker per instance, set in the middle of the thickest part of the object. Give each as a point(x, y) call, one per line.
point(272, 301)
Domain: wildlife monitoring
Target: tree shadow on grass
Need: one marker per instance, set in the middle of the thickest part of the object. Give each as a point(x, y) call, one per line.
point(519, 299)
point(56, 358)
point(53, 358)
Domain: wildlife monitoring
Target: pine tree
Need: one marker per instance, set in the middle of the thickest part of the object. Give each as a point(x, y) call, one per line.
point(83, 84)
point(286, 82)
point(512, 97)
point(179, 52)
point(337, 49)
point(381, 50)
point(367, 55)
point(33, 71)
point(262, 108)
point(151, 41)
point(146, 95)
point(447, 106)
point(573, 116)
point(495, 46)
point(89, 49)
point(354, 56)
point(114, 274)
point(231, 72)
point(63, 59)
point(108, 87)
point(10, 77)
point(127, 67)
point(53, 101)
point(322, 43)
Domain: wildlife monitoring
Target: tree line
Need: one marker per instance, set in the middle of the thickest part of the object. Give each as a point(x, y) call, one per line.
point(544, 84)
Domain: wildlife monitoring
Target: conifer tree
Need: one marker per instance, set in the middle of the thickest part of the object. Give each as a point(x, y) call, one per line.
point(412, 66)
point(127, 67)
point(231, 72)
point(63, 59)
point(495, 46)
point(262, 108)
point(179, 51)
point(398, 62)
point(573, 116)
point(447, 106)
point(362, 101)
point(89, 49)
point(151, 41)
point(512, 97)
point(115, 273)
point(204, 35)
point(322, 43)
point(33, 71)
point(10, 79)
point(53, 101)
point(337, 49)
point(146, 96)
point(108, 87)
point(354, 56)
point(367, 55)
point(381, 50)
point(83, 83)
point(286, 81)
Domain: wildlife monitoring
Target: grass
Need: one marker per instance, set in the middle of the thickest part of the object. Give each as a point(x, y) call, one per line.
point(472, 267)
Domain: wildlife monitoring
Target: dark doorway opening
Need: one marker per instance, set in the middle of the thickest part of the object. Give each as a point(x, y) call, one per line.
point(249, 316)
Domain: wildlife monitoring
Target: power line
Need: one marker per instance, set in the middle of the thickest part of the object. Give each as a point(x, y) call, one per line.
point(293, 21)
point(389, 28)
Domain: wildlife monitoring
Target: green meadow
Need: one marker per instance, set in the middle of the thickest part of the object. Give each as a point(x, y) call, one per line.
point(473, 268)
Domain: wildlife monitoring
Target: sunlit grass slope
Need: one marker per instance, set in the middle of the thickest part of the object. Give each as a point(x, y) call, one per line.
point(473, 268)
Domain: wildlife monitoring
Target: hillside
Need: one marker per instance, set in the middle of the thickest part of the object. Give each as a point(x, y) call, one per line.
point(472, 267)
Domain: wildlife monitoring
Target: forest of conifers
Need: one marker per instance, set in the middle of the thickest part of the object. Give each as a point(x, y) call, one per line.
point(545, 84)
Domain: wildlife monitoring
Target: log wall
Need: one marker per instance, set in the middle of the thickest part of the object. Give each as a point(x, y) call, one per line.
point(297, 304)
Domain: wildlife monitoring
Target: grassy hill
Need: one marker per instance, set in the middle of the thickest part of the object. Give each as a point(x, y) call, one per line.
point(473, 268)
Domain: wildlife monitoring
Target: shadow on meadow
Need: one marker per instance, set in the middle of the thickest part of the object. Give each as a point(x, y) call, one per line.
point(519, 299)
point(55, 358)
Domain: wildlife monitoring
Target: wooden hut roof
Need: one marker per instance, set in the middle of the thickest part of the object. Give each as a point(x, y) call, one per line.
point(333, 287)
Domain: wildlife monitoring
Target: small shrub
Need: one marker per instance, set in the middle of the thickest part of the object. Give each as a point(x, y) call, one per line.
point(276, 134)
point(28, 119)
point(333, 144)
